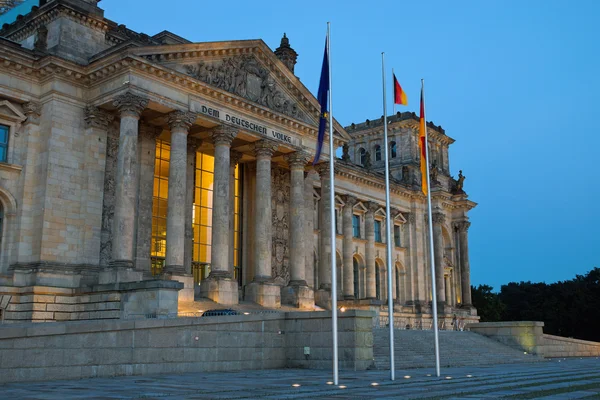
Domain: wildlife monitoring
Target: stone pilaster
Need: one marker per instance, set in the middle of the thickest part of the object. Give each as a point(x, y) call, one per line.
point(130, 107)
point(323, 295)
point(219, 286)
point(262, 289)
point(370, 249)
point(347, 214)
point(297, 293)
point(438, 242)
point(147, 157)
point(180, 123)
point(465, 268)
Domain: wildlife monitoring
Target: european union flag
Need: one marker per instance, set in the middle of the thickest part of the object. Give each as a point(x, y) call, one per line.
point(322, 97)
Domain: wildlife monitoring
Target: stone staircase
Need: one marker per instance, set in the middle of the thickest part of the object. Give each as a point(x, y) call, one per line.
point(415, 349)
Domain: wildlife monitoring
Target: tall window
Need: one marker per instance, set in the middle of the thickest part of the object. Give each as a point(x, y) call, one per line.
point(158, 242)
point(377, 282)
point(237, 232)
point(3, 143)
point(397, 242)
point(356, 226)
point(378, 153)
point(378, 231)
point(356, 272)
point(393, 149)
point(363, 156)
point(202, 215)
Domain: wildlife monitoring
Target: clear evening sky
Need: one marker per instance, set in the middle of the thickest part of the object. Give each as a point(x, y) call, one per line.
point(516, 83)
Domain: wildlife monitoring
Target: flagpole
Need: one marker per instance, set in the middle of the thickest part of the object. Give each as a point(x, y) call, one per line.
point(394, 99)
point(431, 253)
point(388, 224)
point(334, 327)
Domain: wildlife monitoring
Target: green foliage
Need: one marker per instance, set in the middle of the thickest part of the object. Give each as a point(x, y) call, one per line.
point(489, 307)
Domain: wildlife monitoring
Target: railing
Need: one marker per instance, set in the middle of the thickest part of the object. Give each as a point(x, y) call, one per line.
point(409, 324)
point(208, 313)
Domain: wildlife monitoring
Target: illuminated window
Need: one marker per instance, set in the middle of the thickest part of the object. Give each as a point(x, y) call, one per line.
point(158, 243)
point(202, 215)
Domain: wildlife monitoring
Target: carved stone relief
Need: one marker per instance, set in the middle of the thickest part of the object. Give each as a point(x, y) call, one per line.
point(108, 204)
point(244, 76)
point(280, 203)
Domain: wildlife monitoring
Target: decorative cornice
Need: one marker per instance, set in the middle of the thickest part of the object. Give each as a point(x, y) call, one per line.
point(97, 118)
point(264, 148)
point(297, 160)
point(371, 206)
point(130, 105)
point(223, 134)
point(439, 218)
point(181, 120)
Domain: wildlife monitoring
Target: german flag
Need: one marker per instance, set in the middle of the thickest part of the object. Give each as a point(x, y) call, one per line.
point(422, 144)
point(399, 94)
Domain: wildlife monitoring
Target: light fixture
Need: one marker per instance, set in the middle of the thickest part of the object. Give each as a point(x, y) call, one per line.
point(374, 384)
point(330, 383)
point(448, 377)
point(469, 376)
point(343, 309)
point(246, 313)
point(428, 374)
point(342, 386)
point(406, 376)
point(296, 385)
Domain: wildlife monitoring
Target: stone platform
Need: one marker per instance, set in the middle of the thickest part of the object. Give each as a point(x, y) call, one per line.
point(556, 379)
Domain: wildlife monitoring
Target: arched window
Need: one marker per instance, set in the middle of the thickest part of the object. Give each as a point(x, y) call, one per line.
point(378, 153)
point(356, 272)
point(363, 156)
point(393, 149)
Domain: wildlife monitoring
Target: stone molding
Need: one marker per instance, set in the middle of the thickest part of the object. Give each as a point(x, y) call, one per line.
point(349, 200)
point(323, 170)
point(33, 111)
point(97, 118)
point(439, 218)
point(296, 160)
point(264, 148)
point(181, 120)
point(223, 135)
point(462, 226)
point(130, 105)
point(371, 206)
point(410, 217)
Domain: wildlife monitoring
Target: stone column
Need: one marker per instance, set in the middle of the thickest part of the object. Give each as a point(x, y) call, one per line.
point(323, 295)
point(309, 228)
point(370, 250)
point(447, 290)
point(188, 250)
point(438, 244)
point(219, 286)
point(126, 190)
point(262, 289)
point(465, 268)
point(297, 293)
point(347, 214)
point(235, 158)
point(147, 157)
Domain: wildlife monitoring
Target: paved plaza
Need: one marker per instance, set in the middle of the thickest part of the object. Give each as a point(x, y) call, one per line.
point(554, 379)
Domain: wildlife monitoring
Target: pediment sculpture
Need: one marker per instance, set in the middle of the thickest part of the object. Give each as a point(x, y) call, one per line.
point(244, 76)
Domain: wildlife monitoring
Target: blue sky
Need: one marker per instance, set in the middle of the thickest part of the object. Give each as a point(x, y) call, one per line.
point(515, 83)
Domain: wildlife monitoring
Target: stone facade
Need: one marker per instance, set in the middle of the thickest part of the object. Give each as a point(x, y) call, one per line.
point(134, 158)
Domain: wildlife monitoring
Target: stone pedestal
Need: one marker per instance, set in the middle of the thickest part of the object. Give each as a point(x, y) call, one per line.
point(323, 298)
point(264, 293)
point(220, 290)
point(469, 308)
point(300, 296)
point(120, 274)
point(187, 293)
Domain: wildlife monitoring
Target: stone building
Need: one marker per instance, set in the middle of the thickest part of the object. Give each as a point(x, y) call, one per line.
point(137, 171)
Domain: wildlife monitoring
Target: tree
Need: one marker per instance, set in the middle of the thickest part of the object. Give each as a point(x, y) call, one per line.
point(488, 304)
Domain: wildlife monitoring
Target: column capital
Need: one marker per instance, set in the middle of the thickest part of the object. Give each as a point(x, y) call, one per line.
point(264, 148)
point(323, 169)
point(371, 207)
point(223, 135)
point(131, 105)
point(297, 159)
point(461, 226)
point(181, 120)
point(438, 218)
point(97, 118)
point(193, 144)
point(33, 111)
point(149, 131)
point(235, 157)
point(349, 200)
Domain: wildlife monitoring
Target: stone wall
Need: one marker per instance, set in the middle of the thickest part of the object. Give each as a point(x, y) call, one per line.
point(529, 336)
point(73, 350)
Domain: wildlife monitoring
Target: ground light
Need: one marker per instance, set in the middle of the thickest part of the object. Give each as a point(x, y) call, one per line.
point(374, 384)
point(295, 385)
point(406, 376)
point(469, 376)
point(342, 386)
point(329, 383)
point(448, 377)
point(428, 375)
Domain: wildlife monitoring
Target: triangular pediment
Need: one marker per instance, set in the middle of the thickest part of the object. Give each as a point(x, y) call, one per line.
point(11, 112)
point(248, 69)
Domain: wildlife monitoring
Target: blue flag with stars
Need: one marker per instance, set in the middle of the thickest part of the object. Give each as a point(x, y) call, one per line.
point(322, 98)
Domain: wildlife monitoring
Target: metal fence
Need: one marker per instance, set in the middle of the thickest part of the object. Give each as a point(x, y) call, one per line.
point(411, 324)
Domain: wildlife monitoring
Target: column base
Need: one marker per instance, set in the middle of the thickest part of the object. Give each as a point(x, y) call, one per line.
point(469, 308)
point(264, 293)
point(187, 293)
point(323, 298)
point(220, 290)
point(120, 271)
point(300, 296)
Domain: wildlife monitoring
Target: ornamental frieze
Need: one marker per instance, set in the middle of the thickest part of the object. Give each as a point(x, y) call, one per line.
point(244, 76)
